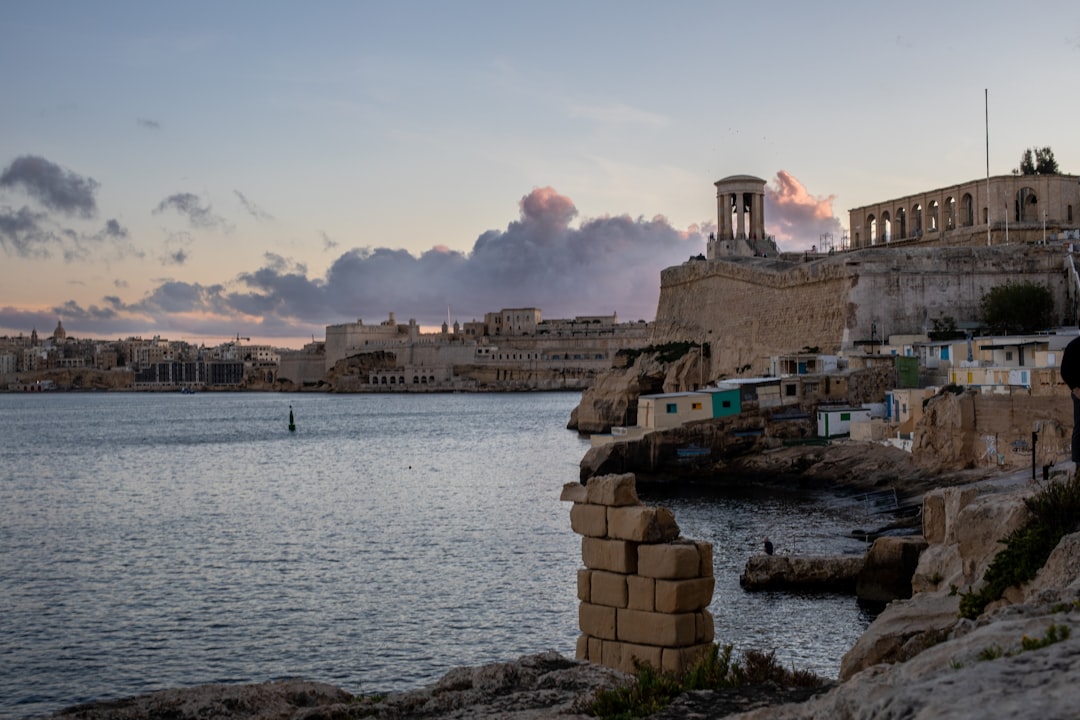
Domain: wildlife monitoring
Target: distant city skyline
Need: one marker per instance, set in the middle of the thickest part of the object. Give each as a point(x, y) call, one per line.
point(266, 169)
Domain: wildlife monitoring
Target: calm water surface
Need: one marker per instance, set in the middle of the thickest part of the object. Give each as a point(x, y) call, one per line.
point(159, 540)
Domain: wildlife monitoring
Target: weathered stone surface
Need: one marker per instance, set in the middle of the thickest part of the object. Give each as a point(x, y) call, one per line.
point(949, 680)
point(641, 593)
point(941, 508)
point(613, 555)
point(1059, 578)
point(584, 584)
point(608, 589)
point(980, 527)
point(679, 596)
point(704, 626)
point(574, 492)
point(926, 614)
point(677, 660)
point(612, 490)
point(890, 564)
point(621, 655)
point(653, 628)
point(670, 560)
point(836, 573)
point(939, 568)
point(589, 520)
point(641, 524)
point(597, 621)
point(705, 552)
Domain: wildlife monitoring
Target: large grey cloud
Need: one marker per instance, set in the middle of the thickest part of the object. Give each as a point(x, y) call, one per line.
point(60, 195)
point(51, 185)
point(544, 258)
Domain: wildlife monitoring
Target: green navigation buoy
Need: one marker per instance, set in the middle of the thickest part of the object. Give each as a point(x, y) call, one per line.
point(292, 421)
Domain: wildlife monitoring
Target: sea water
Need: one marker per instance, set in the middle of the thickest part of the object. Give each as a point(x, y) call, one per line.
point(150, 541)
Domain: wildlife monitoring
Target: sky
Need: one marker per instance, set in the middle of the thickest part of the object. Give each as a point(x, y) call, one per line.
point(207, 170)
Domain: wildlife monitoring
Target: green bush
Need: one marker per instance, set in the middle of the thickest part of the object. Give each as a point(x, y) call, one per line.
point(651, 690)
point(1054, 513)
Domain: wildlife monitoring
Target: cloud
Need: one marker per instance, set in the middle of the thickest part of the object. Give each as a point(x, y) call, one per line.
point(199, 216)
point(797, 219)
point(602, 265)
point(256, 212)
point(22, 233)
point(54, 187)
point(328, 242)
point(148, 124)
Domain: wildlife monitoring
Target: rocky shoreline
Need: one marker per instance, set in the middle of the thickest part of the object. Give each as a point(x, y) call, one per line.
point(1019, 659)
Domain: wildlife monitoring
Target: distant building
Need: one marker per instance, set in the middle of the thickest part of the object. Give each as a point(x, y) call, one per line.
point(1015, 208)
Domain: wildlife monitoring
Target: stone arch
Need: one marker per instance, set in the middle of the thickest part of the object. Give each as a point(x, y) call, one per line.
point(967, 210)
point(871, 228)
point(933, 216)
point(886, 227)
point(950, 213)
point(901, 223)
point(1026, 205)
point(916, 220)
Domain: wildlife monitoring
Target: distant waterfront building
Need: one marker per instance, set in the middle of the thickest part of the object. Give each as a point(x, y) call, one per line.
point(1016, 208)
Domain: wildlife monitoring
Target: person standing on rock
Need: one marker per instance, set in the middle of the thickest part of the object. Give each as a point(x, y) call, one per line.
point(1070, 373)
point(768, 546)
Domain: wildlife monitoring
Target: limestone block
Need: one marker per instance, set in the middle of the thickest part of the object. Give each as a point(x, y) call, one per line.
point(705, 551)
point(641, 593)
point(596, 650)
point(653, 628)
point(890, 564)
point(679, 596)
point(584, 584)
point(613, 490)
point(933, 517)
point(597, 621)
point(705, 626)
point(939, 568)
point(621, 656)
point(573, 492)
point(940, 510)
point(669, 560)
point(613, 555)
point(982, 525)
point(676, 660)
point(641, 523)
point(589, 520)
point(608, 589)
point(582, 650)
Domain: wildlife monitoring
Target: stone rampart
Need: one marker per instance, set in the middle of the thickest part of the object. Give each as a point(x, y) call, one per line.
point(644, 590)
point(751, 308)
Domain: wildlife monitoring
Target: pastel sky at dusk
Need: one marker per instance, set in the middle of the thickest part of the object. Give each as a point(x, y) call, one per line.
point(204, 170)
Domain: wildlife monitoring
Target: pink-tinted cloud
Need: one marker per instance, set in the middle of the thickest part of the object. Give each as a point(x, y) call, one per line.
point(797, 219)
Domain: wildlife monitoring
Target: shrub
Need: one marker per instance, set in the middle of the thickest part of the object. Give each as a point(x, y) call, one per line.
point(651, 690)
point(1054, 513)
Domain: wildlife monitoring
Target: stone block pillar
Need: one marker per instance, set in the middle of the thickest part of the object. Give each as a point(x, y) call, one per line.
point(644, 590)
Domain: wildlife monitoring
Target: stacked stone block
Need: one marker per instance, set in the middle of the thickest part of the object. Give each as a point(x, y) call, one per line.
point(644, 590)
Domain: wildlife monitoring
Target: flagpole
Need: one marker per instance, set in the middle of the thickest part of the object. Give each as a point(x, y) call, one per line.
point(986, 106)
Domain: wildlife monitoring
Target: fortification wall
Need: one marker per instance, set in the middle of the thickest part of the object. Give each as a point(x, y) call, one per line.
point(750, 308)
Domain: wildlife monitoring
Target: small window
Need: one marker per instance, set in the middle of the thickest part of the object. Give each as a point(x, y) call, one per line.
point(845, 416)
point(672, 408)
point(1008, 354)
point(695, 406)
point(789, 390)
point(726, 403)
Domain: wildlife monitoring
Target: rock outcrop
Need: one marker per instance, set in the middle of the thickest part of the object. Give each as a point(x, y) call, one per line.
point(836, 573)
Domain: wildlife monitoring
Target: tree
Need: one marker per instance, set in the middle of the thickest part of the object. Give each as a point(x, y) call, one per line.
point(1017, 308)
point(1038, 161)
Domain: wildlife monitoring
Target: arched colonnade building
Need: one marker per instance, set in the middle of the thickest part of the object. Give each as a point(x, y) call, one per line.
point(1017, 208)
